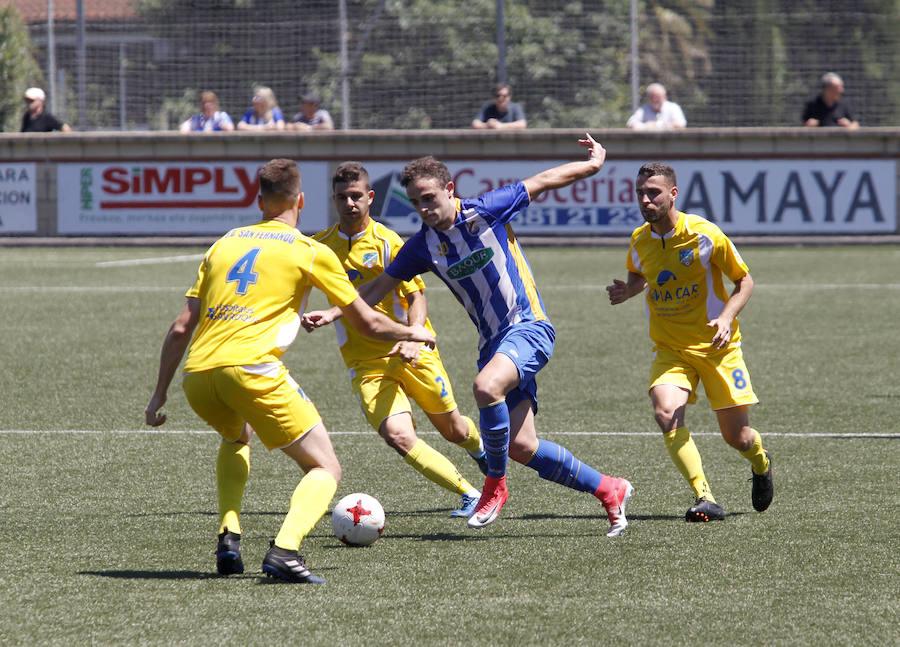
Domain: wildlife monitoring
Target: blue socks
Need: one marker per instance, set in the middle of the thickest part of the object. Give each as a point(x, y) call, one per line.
point(556, 463)
point(494, 422)
point(552, 462)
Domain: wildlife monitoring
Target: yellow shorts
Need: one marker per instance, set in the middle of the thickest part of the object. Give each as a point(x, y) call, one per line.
point(264, 395)
point(723, 373)
point(382, 386)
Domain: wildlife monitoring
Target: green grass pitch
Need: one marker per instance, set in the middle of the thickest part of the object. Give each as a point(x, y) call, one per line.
point(107, 529)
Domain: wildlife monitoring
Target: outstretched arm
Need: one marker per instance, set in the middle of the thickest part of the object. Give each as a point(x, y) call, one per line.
point(374, 324)
point(372, 293)
point(560, 176)
point(176, 342)
point(621, 291)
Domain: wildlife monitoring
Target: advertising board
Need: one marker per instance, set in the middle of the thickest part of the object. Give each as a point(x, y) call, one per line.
point(173, 197)
point(742, 196)
point(18, 199)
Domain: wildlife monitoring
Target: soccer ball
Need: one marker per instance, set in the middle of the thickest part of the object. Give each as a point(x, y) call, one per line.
point(358, 519)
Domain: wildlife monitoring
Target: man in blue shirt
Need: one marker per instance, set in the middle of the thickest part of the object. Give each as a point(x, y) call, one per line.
point(469, 244)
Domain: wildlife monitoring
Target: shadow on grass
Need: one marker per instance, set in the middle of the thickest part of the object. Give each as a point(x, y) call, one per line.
point(183, 575)
point(204, 513)
point(158, 575)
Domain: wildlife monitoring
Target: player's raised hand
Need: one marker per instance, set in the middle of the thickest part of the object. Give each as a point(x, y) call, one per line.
point(597, 153)
point(617, 292)
point(151, 413)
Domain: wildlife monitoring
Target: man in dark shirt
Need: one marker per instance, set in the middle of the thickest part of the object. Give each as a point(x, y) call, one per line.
point(36, 119)
point(503, 113)
point(827, 109)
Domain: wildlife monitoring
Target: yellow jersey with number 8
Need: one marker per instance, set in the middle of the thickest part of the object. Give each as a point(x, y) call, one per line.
point(684, 272)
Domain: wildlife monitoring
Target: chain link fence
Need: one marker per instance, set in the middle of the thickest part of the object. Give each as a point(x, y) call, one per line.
point(413, 64)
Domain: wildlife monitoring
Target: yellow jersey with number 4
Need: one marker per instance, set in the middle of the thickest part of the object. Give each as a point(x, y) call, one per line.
point(252, 285)
point(364, 257)
point(684, 272)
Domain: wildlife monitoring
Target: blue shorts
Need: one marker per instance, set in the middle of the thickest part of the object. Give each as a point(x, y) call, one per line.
point(529, 346)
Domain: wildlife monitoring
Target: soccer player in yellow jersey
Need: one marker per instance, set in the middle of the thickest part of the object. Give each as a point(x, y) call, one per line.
point(681, 261)
point(384, 381)
point(243, 312)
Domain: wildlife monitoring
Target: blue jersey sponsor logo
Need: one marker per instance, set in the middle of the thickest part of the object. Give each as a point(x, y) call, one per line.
point(354, 275)
point(470, 264)
point(664, 277)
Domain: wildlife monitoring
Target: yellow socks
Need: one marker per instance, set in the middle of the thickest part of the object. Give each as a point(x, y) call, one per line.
point(757, 455)
point(232, 470)
point(308, 503)
point(687, 459)
point(473, 441)
point(437, 468)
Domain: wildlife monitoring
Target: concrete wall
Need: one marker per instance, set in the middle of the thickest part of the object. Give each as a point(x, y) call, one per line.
point(46, 150)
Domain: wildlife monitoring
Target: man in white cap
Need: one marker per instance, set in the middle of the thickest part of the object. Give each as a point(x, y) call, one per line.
point(36, 119)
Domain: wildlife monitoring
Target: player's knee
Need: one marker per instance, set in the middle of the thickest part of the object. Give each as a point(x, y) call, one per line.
point(666, 418)
point(397, 438)
point(741, 438)
point(487, 390)
point(457, 431)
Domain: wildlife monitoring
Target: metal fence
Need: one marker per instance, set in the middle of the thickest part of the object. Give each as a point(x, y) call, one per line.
point(431, 63)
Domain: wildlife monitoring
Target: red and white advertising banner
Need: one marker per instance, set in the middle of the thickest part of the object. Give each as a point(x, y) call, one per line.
point(174, 197)
point(18, 199)
point(763, 196)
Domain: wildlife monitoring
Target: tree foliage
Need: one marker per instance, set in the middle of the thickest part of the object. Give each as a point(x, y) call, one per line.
point(425, 63)
point(18, 69)
point(431, 63)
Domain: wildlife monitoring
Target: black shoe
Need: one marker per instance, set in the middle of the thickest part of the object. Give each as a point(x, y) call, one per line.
point(481, 459)
point(228, 554)
point(287, 565)
point(763, 488)
point(704, 510)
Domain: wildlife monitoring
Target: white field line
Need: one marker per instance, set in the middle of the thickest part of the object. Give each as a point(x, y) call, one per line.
point(546, 288)
point(90, 288)
point(207, 432)
point(150, 261)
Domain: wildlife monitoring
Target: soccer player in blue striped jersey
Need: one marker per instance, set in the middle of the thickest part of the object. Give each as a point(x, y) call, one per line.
point(470, 245)
point(385, 376)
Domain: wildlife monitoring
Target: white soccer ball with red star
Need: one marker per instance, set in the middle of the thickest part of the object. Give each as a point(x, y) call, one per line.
point(358, 519)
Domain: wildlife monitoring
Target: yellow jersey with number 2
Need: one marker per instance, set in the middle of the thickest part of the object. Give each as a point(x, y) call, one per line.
point(364, 257)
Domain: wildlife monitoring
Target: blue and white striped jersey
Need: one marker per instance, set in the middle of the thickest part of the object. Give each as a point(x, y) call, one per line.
point(480, 261)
